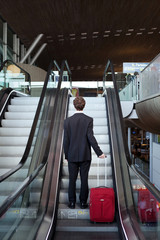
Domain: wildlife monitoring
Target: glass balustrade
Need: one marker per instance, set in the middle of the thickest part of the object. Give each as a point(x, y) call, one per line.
point(147, 208)
point(11, 75)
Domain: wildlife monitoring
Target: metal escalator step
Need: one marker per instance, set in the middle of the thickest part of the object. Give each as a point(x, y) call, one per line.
point(92, 182)
point(13, 141)
point(21, 108)
point(102, 139)
point(12, 150)
point(64, 212)
point(25, 100)
point(17, 124)
point(14, 131)
point(19, 115)
point(99, 122)
point(100, 130)
point(104, 147)
point(85, 226)
point(9, 161)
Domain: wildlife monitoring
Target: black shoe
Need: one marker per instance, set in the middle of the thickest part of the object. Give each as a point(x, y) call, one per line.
point(71, 205)
point(83, 205)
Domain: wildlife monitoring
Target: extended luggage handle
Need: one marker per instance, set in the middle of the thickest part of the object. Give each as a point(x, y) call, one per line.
point(105, 172)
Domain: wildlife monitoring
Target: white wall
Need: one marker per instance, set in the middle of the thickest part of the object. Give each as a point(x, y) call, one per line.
point(156, 164)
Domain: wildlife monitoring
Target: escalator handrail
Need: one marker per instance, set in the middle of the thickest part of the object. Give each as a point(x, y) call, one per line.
point(33, 128)
point(13, 196)
point(126, 215)
point(28, 75)
point(145, 181)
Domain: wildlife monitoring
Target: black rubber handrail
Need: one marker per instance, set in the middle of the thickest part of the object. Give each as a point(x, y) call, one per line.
point(33, 128)
point(12, 197)
point(28, 75)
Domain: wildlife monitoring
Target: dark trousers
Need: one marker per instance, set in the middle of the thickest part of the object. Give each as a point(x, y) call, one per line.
point(74, 168)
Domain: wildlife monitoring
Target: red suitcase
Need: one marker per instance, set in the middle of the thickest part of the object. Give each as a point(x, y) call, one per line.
point(147, 207)
point(102, 202)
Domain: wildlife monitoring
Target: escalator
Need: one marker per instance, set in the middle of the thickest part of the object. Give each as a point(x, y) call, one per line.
point(15, 129)
point(38, 208)
point(96, 108)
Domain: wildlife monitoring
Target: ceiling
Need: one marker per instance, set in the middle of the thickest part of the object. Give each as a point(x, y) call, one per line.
point(87, 32)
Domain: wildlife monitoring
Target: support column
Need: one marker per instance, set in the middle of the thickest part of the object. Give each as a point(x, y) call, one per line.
point(38, 53)
point(129, 140)
point(151, 157)
point(4, 41)
point(14, 48)
point(22, 51)
point(31, 48)
point(18, 49)
point(29, 59)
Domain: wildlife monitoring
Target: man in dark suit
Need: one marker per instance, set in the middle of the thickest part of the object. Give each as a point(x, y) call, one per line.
point(78, 139)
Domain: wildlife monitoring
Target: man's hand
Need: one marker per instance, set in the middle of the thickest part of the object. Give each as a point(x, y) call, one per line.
point(102, 156)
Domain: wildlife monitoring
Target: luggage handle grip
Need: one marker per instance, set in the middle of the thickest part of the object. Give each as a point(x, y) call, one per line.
point(98, 170)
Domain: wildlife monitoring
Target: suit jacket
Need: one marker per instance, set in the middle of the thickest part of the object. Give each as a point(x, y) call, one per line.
point(79, 137)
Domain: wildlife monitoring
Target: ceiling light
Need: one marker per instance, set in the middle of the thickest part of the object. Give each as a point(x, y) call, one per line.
point(116, 35)
point(92, 66)
point(83, 37)
point(154, 28)
point(139, 33)
point(142, 29)
point(72, 34)
point(61, 35)
point(72, 38)
point(83, 34)
point(118, 30)
point(108, 31)
point(85, 67)
point(78, 67)
point(150, 32)
point(128, 34)
point(95, 32)
point(94, 36)
point(130, 30)
point(99, 66)
point(49, 37)
point(105, 35)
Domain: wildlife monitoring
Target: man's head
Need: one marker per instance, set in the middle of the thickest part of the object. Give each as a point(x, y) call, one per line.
point(79, 103)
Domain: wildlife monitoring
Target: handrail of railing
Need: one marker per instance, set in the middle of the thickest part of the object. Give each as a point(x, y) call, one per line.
point(11, 198)
point(28, 75)
point(32, 132)
point(145, 181)
point(127, 195)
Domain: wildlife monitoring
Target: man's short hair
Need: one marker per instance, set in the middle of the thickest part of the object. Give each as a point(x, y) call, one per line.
point(79, 103)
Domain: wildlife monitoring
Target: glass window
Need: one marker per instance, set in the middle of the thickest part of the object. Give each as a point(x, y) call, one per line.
point(9, 53)
point(1, 52)
point(1, 29)
point(10, 38)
